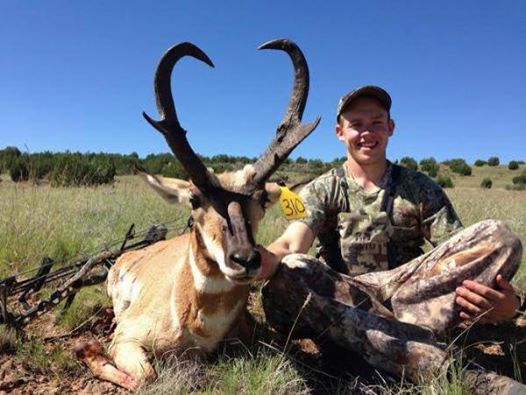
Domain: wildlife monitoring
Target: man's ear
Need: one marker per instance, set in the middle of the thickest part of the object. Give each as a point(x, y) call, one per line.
point(391, 126)
point(173, 190)
point(338, 129)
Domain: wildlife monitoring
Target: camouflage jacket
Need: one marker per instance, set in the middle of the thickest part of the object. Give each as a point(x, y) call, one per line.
point(420, 211)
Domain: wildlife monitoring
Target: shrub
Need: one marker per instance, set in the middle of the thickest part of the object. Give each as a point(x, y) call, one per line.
point(445, 181)
point(430, 166)
point(480, 162)
point(19, 168)
point(82, 170)
point(409, 162)
point(220, 167)
point(300, 159)
point(493, 161)
point(175, 169)
point(7, 158)
point(338, 161)
point(520, 179)
point(462, 169)
point(513, 165)
point(516, 187)
point(459, 166)
point(316, 163)
point(433, 171)
point(486, 183)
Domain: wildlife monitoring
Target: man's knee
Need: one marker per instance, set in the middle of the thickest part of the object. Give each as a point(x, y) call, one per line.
point(500, 233)
point(503, 240)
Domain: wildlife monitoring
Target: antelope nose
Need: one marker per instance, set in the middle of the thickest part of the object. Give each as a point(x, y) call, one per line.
point(250, 262)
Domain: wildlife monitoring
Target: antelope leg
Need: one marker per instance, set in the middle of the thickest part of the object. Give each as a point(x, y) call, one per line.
point(91, 354)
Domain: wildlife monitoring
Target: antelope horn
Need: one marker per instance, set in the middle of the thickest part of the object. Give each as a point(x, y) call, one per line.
point(169, 125)
point(290, 131)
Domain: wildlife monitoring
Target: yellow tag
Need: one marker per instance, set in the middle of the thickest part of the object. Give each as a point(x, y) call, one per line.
point(291, 204)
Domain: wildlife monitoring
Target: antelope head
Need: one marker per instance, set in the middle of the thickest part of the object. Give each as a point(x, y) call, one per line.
point(227, 208)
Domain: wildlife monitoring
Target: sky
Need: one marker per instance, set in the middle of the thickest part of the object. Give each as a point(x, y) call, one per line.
point(76, 75)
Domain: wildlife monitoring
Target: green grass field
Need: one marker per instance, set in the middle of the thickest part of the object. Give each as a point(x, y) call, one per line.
point(37, 221)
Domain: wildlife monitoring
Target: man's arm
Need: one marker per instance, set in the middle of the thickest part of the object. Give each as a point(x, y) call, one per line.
point(297, 238)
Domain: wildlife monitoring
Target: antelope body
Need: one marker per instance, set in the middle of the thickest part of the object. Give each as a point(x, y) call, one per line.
point(183, 295)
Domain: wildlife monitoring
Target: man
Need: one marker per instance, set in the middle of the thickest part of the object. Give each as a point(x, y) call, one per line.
point(372, 218)
point(364, 125)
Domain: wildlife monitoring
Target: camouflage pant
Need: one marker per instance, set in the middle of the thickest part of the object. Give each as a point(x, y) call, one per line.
point(391, 317)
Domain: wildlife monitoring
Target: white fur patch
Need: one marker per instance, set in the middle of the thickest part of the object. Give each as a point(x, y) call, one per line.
point(125, 292)
point(204, 284)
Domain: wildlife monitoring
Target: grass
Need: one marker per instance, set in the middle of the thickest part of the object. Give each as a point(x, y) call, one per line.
point(85, 304)
point(40, 356)
point(500, 176)
point(62, 223)
point(39, 221)
point(246, 373)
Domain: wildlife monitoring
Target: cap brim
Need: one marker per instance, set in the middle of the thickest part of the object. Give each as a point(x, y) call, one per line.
point(369, 91)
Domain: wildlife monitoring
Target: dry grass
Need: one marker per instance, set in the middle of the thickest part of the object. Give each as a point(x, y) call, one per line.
point(500, 176)
point(39, 221)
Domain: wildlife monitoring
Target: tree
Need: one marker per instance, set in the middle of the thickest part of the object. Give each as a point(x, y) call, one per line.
point(19, 168)
point(513, 165)
point(493, 161)
point(301, 159)
point(7, 158)
point(459, 166)
point(430, 166)
point(480, 162)
point(76, 169)
point(409, 162)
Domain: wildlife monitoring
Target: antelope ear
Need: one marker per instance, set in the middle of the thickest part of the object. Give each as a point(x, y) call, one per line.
point(173, 190)
point(273, 192)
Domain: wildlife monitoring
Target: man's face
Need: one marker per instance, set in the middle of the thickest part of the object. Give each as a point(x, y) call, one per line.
point(365, 127)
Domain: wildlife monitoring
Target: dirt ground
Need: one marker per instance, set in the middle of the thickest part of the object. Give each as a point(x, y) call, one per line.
point(495, 347)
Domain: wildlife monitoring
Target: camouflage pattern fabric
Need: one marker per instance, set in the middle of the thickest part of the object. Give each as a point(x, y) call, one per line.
point(391, 317)
point(354, 231)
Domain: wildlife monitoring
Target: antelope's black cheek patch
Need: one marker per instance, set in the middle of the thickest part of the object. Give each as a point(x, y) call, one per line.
point(262, 198)
point(195, 201)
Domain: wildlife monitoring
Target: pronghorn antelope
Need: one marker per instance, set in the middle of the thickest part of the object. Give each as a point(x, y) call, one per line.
point(186, 293)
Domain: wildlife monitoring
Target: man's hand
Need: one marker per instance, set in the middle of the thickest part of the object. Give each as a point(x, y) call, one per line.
point(297, 238)
point(269, 263)
point(496, 304)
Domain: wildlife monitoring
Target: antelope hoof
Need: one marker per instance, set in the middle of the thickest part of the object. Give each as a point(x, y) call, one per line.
point(87, 350)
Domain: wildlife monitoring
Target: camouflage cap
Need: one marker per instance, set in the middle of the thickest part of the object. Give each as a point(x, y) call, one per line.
point(369, 90)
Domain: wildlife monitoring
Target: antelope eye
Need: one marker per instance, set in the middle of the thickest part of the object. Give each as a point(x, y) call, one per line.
point(195, 201)
point(262, 198)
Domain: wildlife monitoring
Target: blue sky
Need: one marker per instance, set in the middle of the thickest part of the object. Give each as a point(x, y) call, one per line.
point(76, 75)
